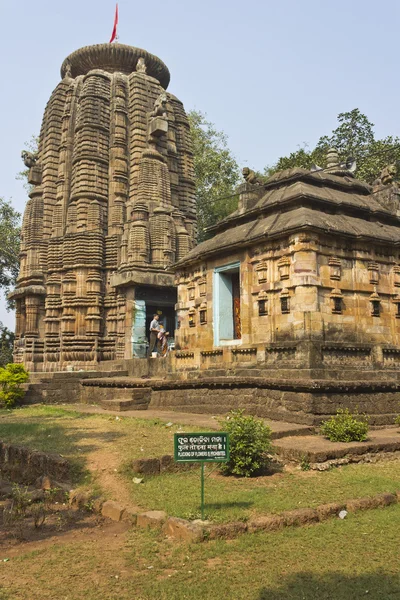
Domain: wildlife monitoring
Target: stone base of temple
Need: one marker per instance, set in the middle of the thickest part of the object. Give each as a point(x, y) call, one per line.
point(361, 379)
point(294, 401)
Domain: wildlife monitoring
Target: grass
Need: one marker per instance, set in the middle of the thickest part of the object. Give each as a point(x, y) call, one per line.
point(336, 560)
point(78, 436)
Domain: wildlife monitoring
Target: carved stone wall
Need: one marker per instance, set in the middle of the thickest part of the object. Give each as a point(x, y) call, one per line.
point(113, 194)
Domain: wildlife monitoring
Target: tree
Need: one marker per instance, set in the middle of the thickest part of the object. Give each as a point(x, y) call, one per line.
point(9, 244)
point(354, 137)
point(216, 171)
point(6, 345)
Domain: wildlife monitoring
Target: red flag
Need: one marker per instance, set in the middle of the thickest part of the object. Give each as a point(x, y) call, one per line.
point(114, 31)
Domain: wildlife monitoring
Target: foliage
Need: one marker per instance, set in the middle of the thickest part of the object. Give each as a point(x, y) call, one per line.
point(216, 172)
point(11, 379)
point(249, 443)
point(9, 244)
point(354, 137)
point(345, 427)
point(305, 463)
point(6, 345)
point(397, 420)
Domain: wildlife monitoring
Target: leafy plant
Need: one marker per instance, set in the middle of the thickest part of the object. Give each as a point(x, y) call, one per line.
point(249, 441)
point(11, 379)
point(397, 420)
point(345, 427)
point(305, 463)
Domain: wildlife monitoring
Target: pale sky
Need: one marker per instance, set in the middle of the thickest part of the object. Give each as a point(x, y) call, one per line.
point(272, 75)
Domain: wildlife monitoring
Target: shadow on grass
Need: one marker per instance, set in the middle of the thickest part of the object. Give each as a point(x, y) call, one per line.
point(219, 505)
point(72, 442)
point(335, 586)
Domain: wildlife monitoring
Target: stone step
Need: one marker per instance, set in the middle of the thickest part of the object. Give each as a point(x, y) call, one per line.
point(121, 404)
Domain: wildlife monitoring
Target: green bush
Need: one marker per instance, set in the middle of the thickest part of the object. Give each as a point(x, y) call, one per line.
point(397, 420)
point(249, 441)
point(12, 376)
point(345, 427)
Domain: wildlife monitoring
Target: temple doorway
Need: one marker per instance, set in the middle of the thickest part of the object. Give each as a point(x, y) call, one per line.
point(148, 302)
point(227, 320)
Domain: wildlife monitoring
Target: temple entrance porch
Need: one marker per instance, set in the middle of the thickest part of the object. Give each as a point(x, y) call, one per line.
point(149, 301)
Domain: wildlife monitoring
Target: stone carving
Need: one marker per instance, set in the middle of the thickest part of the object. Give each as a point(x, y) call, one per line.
point(387, 176)
point(68, 70)
point(29, 158)
point(110, 214)
point(141, 65)
point(160, 106)
point(251, 177)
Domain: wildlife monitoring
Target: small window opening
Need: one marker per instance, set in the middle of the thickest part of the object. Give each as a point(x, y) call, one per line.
point(285, 305)
point(375, 308)
point(262, 308)
point(337, 305)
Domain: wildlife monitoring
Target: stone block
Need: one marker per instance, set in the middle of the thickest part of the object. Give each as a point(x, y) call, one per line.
point(226, 531)
point(112, 510)
point(167, 463)
point(356, 504)
point(146, 466)
point(78, 499)
point(181, 529)
point(44, 483)
point(325, 511)
point(267, 523)
point(385, 499)
point(151, 518)
point(158, 127)
point(98, 505)
point(300, 516)
point(130, 515)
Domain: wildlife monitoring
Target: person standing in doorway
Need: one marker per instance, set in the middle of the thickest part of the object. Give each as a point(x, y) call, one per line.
point(154, 329)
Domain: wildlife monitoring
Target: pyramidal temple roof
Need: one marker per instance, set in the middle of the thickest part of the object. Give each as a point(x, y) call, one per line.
point(298, 199)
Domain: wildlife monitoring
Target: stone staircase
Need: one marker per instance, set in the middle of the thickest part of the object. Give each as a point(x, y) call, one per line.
point(60, 387)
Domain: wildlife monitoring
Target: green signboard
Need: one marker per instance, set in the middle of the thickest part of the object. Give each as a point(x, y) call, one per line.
point(201, 447)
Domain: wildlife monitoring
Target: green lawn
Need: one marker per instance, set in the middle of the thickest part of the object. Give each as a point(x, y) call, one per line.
point(336, 560)
point(80, 436)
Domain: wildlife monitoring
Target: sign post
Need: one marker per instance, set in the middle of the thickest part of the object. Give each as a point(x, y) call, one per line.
point(201, 447)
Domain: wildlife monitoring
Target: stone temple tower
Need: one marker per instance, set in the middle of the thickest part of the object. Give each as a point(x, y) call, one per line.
point(112, 206)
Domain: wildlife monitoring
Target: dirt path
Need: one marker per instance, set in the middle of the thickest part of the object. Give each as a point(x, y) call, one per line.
point(104, 465)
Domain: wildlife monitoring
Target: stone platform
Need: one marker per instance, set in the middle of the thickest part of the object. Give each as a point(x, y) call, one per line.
point(301, 396)
point(307, 402)
point(316, 449)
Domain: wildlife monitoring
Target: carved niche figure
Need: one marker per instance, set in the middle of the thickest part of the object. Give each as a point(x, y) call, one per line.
point(29, 158)
point(141, 65)
point(251, 177)
point(67, 72)
point(160, 106)
point(387, 176)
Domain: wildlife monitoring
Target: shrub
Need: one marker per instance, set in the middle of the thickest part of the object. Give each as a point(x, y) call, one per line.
point(397, 420)
point(11, 379)
point(250, 441)
point(345, 427)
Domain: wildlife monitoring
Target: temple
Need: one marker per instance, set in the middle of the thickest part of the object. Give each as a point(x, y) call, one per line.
point(111, 208)
point(297, 292)
point(290, 310)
